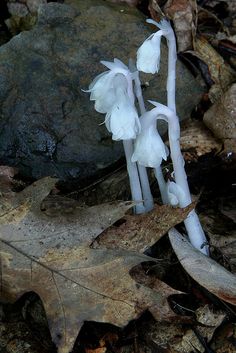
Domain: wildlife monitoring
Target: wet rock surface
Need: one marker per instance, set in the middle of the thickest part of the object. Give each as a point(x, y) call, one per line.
point(47, 124)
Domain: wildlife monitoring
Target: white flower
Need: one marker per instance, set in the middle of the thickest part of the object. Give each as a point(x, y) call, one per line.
point(122, 120)
point(149, 148)
point(148, 55)
point(103, 87)
point(102, 91)
point(175, 193)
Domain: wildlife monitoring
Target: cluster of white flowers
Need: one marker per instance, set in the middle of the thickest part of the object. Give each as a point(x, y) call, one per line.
point(115, 93)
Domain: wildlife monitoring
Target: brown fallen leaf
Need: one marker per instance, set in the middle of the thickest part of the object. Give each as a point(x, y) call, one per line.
point(221, 117)
point(138, 233)
point(220, 227)
point(183, 13)
point(176, 338)
point(23, 222)
point(203, 269)
point(196, 140)
point(77, 285)
point(51, 257)
point(221, 73)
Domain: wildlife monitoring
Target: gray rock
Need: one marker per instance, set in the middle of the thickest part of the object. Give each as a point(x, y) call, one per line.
point(47, 124)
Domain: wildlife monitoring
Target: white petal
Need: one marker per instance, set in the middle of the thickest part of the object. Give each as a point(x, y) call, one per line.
point(120, 64)
point(122, 121)
point(163, 24)
point(149, 148)
point(105, 102)
point(109, 64)
point(148, 55)
point(98, 79)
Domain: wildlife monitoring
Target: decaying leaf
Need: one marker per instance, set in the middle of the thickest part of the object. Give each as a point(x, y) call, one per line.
point(177, 338)
point(24, 223)
point(51, 257)
point(220, 227)
point(138, 233)
point(221, 117)
point(184, 14)
point(77, 285)
point(155, 10)
point(196, 140)
point(221, 73)
point(203, 269)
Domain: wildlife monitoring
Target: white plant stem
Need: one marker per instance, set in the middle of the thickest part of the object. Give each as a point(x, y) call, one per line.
point(172, 57)
point(136, 191)
point(142, 170)
point(192, 223)
point(162, 185)
point(147, 195)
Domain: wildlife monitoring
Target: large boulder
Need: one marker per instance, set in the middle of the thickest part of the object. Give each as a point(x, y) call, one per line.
point(47, 124)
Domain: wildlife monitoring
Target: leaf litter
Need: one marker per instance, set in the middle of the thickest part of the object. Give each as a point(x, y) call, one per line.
point(51, 257)
point(110, 286)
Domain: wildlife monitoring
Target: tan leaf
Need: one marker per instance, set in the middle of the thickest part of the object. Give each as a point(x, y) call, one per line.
point(183, 13)
point(77, 285)
point(196, 140)
point(221, 73)
point(140, 232)
point(25, 224)
point(203, 269)
point(51, 256)
point(221, 118)
point(220, 227)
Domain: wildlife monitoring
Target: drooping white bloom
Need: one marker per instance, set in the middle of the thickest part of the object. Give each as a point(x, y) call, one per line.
point(102, 92)
point(102, 88)
point(149, 149)
point(122, 120)
point(148, 55)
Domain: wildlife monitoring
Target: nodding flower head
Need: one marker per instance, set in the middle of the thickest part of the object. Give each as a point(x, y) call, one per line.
point(112, 92)
point(122, 119)
point(148, 55)
point(102, 88)
point(149, 149)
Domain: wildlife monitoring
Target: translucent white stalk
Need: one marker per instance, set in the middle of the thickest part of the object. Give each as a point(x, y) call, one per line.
point(162, 185)
point(142, 170)
point(136, 191)
point(147, 195)
point(192, 223)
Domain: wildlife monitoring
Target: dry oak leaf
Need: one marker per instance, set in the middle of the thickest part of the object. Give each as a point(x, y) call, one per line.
point(51, 256)
point(138, 233)
point(208, 273)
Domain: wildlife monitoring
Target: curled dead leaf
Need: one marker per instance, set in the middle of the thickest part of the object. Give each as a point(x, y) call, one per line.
point(203, 269)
